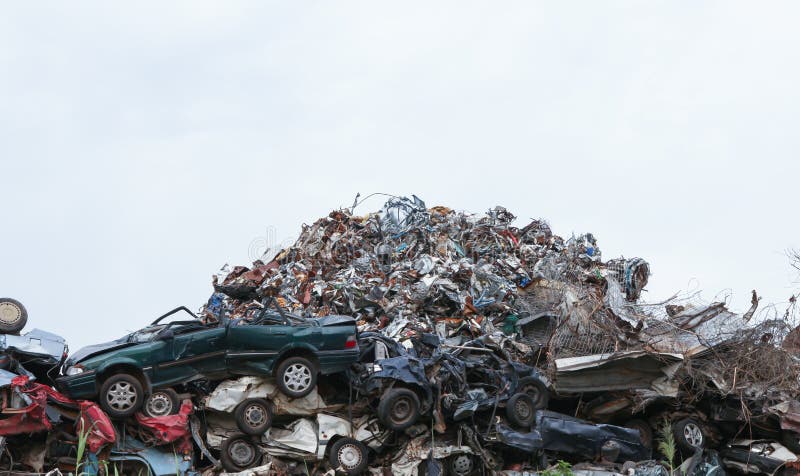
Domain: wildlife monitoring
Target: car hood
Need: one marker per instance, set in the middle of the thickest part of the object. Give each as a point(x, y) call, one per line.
point(36, 342)
point(92, 350)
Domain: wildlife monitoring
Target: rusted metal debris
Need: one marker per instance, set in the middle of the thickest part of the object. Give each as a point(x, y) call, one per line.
point(483, 347)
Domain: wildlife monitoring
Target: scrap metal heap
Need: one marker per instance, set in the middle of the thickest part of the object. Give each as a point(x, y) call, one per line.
point(434, 280)
point(482, 348)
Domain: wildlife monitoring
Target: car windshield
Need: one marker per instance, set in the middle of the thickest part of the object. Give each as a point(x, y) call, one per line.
point(151, 332)
point(145, 335)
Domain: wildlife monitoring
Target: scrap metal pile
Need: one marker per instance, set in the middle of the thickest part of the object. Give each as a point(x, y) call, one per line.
point(420, 340)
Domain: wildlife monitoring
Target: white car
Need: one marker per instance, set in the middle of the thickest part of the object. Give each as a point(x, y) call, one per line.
point(345, 446)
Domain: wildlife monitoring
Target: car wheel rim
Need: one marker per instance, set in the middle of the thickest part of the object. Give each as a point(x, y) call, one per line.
point(349, 456)
point(254, 415)
point(533, 392)
point(693, 434)
point(9, 313)
point(297, 377)
point(241, 453)
point(159, 404)
point(523, 409)
point(121, 396)
point(462, 465)
point(401, 410)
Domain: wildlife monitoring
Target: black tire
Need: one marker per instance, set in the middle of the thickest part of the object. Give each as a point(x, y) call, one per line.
point(239, 453)
point(13, 316)
point(689, 434)
point(253, 416)
point(645, 432)
point(462, 464)
point(537, 390)
point(791, 441)
point(398, 408)
point(161, 402)
point(521, 410)
point(121, 395)
point(296, 377)
point(348, 456)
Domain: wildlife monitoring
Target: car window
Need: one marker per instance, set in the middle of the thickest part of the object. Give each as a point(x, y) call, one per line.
point(146, 334)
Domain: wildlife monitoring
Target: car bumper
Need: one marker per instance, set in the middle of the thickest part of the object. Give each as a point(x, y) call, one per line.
point(333, 361)
point(83, 386)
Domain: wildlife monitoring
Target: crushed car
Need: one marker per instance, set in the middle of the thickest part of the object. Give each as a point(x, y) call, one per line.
point(148, 363)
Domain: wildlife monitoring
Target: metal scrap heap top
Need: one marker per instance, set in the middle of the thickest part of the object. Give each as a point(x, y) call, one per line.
point(422, 264)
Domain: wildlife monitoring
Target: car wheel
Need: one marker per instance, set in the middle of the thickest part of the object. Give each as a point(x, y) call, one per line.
point(253, 416)
point(239, 453)
point(296, 377)
point(13, 316)
point(398, 408)
point(348, 456)
point(460, 465)
point(521, 410)
point(121, 395)
point(645, 432)
point(535, 389)
point(689, 434)
point(161, 403)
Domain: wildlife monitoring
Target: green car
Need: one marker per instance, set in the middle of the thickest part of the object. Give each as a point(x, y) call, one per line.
point(142, 368)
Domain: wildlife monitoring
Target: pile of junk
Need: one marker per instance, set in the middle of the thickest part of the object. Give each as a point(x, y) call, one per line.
point(415, 341)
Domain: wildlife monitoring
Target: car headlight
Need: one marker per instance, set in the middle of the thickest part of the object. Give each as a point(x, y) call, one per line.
point(75, 370)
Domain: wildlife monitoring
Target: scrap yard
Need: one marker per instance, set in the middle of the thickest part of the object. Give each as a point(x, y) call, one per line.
point(414, 340)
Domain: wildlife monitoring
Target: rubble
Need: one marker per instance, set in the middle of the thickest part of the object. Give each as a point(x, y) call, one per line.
point(416, 340)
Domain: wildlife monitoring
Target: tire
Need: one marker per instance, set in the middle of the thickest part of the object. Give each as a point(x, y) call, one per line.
point(398, 408)
point(121, 395)
point(253, 416)
point(645, 432)
point(521, 410)
point(791, 441)
point(161, 403)
point(537, 390)
point(296, 377)
point(13, 316)
point(460, 465)
point(689, 434)
point(239, 453)
point(348, 456)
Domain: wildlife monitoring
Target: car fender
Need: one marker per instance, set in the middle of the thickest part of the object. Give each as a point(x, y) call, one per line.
point(127, 362)
point(301, 346)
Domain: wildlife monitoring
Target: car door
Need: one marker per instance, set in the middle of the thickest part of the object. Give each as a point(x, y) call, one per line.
point(194, 352)
point(254, 347)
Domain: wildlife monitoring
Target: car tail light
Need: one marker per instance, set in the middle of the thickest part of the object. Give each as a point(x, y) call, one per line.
point(351, 343)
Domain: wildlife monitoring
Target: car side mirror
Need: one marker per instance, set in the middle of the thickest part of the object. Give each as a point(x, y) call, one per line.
point(166, 335)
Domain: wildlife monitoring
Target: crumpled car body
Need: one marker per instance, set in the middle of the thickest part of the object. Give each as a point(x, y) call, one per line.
point(36, 353)
point(757, 456)
point(309, 438)
point(384, 365)
point(230, 393)
point(169, 428)
point(164, 355)
point(25, 407)
point(573, 437)
point(491, 379)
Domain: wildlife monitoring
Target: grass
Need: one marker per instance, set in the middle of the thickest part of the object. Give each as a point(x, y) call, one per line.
point(562, 468)
point(667, 446)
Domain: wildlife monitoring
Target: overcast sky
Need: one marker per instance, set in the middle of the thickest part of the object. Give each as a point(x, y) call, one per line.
point(143, 147)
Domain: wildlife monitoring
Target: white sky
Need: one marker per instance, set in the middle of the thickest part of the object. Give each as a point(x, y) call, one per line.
point(143, 146)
